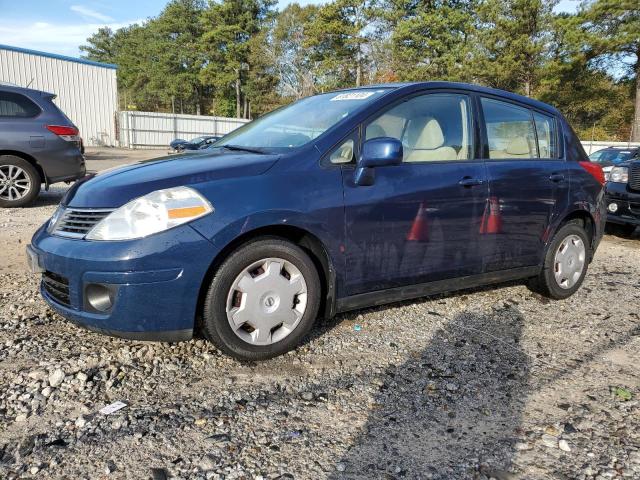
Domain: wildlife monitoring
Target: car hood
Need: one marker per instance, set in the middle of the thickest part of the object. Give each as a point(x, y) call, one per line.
point(114, 187)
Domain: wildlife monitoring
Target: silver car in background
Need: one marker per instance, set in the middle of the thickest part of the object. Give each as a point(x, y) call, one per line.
point(38, 145)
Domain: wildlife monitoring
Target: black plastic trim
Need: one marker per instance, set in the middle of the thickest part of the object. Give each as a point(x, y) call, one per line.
point(397, 294)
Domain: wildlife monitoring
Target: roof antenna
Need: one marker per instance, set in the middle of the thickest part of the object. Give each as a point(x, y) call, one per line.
point(29, 84)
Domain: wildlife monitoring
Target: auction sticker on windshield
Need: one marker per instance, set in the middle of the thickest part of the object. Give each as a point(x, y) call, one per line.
point(352, 96)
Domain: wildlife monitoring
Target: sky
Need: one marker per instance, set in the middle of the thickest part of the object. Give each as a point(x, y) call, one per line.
point(61, 26)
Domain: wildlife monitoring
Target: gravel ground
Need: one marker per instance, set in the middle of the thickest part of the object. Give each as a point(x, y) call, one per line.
point(492, 383)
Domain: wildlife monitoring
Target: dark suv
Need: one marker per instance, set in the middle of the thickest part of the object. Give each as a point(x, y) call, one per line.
point(339, 201)
point(623, 196)
point(38, 144)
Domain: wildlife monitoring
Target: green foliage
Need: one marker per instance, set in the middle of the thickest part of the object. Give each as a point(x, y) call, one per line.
point(243, 58)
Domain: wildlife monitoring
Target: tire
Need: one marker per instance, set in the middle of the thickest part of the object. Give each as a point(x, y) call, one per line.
point(16, 173)
point(547, 283)
point(620, 230)
point(252, 289)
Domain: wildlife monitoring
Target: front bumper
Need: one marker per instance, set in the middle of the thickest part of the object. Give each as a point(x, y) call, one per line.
point(628, 202)
point(155, 281)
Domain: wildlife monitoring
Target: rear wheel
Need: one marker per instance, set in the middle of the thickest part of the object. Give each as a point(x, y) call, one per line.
point(262, 300)
point(566, 262)
point(19, 182)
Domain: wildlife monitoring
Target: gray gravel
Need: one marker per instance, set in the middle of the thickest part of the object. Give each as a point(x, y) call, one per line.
point(492, 383)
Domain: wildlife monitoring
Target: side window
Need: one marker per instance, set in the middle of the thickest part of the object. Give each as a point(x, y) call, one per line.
point(343, 154)
point(16, 105)
point(546, 130)
point(510, 130)
point(433, 127)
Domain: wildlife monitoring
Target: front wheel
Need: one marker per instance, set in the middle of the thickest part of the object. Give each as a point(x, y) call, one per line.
point(19, 182)
point(566, 262)
point(262, 300)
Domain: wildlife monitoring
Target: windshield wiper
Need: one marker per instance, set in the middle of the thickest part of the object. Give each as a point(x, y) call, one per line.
point(239, 148)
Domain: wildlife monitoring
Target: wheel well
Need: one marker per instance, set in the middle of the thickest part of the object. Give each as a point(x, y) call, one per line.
point(585, 219)
point(29, 159)
point(305, 240)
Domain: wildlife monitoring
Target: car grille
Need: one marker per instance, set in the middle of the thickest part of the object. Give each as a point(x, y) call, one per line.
point(57, 287)
point(77, 222)
point(634, 176)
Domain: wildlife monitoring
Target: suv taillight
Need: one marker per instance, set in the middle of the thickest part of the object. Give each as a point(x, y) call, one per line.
point(595, 170)
point(70, 134)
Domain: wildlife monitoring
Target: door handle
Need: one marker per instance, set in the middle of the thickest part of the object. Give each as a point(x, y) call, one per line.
point(470, 182)
point(556, 177)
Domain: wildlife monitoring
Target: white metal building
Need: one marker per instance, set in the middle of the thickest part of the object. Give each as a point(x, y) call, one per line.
point(86, 91)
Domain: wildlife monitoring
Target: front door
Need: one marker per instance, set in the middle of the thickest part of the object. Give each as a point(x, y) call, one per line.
point(420, 221)
point(528, 183)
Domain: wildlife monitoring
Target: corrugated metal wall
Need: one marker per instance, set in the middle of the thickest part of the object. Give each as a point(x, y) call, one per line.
point(87, 93)
point(156, 130)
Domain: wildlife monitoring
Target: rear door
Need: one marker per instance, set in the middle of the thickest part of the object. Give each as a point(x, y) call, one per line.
point(528, 183)
point(17, 130)
point(419, 221)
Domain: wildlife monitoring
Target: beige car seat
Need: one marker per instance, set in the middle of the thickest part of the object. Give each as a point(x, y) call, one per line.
point(429, 145)
point(518, 147)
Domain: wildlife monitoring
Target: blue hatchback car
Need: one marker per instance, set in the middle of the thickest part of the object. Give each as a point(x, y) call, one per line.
point(339, 201)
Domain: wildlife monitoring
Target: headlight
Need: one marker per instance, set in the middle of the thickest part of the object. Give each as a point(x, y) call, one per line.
point(619, 175)
point(153, 213)
point(54, 219)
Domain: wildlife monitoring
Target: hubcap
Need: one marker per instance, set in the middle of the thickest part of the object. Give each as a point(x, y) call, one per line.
point(267, 301)
point(569, 261)
point(14, 183)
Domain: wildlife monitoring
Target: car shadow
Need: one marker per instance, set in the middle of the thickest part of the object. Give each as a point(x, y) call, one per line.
point(454, 411)
point(49, 197)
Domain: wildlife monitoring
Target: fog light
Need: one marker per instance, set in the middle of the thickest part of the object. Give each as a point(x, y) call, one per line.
point(99, 297)
point(613, 207)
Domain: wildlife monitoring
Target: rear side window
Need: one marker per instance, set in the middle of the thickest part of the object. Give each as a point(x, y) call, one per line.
point(547, 136)
point(16, 105)
point(510, 130)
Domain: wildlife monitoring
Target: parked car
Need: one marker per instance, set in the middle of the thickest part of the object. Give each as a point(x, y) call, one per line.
point(38, 145)
point(609, 157)
point(197, 143)
point(623, 197)
point(339, 201)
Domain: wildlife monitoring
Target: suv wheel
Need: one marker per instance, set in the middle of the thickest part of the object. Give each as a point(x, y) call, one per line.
point(19, 182)
point(566, 262)
point(262, 300)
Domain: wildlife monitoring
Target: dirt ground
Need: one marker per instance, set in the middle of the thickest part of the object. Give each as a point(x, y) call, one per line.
point(490, 383)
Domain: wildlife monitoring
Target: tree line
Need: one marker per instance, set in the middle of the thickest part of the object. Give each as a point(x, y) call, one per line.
point(244, 57)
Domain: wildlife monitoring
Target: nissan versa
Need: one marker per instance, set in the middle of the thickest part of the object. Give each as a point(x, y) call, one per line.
point(339, 201)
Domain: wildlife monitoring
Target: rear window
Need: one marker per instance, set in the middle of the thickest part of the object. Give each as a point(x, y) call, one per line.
point(16, 105)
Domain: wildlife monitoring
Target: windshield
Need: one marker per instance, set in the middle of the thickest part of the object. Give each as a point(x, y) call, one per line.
point(197, 140)
point(611, 157)
point(302, 121)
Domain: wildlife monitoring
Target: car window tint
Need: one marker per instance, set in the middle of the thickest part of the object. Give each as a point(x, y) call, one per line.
point(433, 127)
point(510, 130)
point(16, 105)
point(546, 130)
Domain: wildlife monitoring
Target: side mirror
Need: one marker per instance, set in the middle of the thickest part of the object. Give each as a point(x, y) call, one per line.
point(377, 152)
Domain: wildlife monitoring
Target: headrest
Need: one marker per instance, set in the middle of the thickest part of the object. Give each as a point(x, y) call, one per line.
point(431, 136)
point(375, 131)
point(518, 146)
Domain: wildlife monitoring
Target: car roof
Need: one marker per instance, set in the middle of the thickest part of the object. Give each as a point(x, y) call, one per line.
point(8, 87)
point(633, 147)
point(412, 86)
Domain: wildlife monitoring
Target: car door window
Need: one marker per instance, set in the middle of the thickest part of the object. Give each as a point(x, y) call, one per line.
point(431, 127)
point(510, 130)
point(343, 154)
point(546, 133)
point(16, 105)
